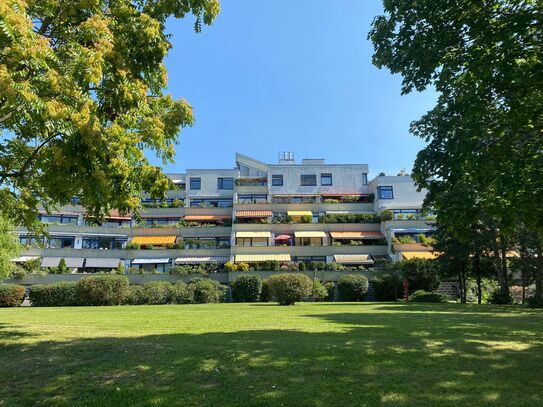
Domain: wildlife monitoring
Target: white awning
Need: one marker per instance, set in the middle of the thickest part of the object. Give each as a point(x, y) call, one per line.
point(24, 259)
point(353, 258)
point(309, 234)
point(254, 234)
point(101, 262)
point(201, 259)
point(151, 260)
point(71, 262)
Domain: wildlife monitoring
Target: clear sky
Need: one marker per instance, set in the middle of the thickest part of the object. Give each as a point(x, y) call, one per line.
point(290, 75)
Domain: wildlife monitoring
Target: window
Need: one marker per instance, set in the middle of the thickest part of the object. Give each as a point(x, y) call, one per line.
point(364, 178)
point(385, 193)
point(226, 183)
point(326, 179)
point(309, 180)
point(61, 242)
point(195, 183)
point(277, 180)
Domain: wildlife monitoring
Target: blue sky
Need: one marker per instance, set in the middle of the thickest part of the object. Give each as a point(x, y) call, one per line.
point(290, 76)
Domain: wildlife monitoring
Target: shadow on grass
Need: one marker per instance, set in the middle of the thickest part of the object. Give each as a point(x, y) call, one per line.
point(391, 359)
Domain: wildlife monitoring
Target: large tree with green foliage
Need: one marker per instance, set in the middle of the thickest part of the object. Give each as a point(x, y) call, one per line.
point(9, 248)
point(485, 134)
point(81, 98)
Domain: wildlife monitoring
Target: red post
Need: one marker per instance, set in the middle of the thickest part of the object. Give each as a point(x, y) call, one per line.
point(406, 290)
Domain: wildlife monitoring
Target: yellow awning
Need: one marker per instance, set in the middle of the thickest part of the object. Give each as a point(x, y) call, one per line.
point(253, 234)
point(353, 258)
point(256, 258)
point(309, 234)
point(420, 255)
point(357, 235)
point(154, 240)
point(299, 213)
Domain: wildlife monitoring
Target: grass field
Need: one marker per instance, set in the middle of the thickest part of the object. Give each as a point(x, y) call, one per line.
point(312, 354)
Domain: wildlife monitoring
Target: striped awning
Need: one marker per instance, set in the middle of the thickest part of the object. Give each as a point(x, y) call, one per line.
point(253, 234)
point(208, 218)
point(253, 214)
point(299, 213)
point(154, 240)
point(357, 235)
point(256, 258)
point(420, 255)
point(151, 260)
point(102, 262)
point(353, 258)
point(24, 259)
point(202, 259)
point(346, 212)
point(343, 194)
point(309, 234)
point(71, 262)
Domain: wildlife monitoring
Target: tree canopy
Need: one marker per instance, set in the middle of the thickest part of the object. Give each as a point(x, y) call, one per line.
point(82, 96)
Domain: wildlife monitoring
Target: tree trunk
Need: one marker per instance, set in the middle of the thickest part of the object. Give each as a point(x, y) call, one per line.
point(462, 281)
point(479, 293)
point(539, 273)
point(477, 271)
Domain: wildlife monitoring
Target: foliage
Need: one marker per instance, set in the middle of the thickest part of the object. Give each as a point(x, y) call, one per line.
point(120, 269)
point(330, 201)
point(132, 246)
point(102, 290)
point(386, 215)
point(11, 295)
point(9, 245)
point(306, 219)
point(387, 286)
point(62, 268)
point(352, 287)
point(243, 267)
point(350, 218)
point(422, 274)
point(317, 265)
point(82, 98)
point(319, 291)
point(265, 292)
point(269, 265)
point(247, 288)
point(180, 270)
point(60, 294)
point(206, 291)
point(330, 287)
point(289, 288)
point(302, 266)
point(230, 266)
point(157, 292)
point(135, 295)
point(498, 297)
point(181, 293)
point(488, 287)
point(18, 273)
point(425, 296)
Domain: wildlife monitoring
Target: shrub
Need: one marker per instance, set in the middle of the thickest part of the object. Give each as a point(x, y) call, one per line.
point(243, 267)
point(247, 288)
point(120, 269)
point(352, 287)
point(135, 295)
point(18, 273)
point(147, 247)
point(534, 302)
point(132, 246)
point(330, 290)
point(386, 215)
point(61, 294)
point(497, 297)
point(102, 290)
point(422, 274)
point(270, 265)
point(157, 292)
point(181, 293)
point(425, 296)
point(302, 266)
point(206, 291)
point(319, 292)
point(11, 295)
point(229, 266)
point(265, 292)
point(488, 286)
point(330, 200)
point(289, 288)
point(180, 270)
point(306, 219)
point(387, 286)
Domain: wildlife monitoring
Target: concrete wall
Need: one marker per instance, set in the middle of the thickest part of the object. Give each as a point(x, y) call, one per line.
point(405, 192)
point(209, 182)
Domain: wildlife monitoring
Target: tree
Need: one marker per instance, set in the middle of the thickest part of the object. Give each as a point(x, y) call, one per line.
point(81, 98)
point(485, 133)
point(9, 248)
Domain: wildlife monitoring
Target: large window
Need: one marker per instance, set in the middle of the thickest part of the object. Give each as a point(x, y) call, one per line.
point(385, 192)
point(226, 183)
point(64, 219)
point(309, 180)
point(211, 203)
point(103, 243)
point(252, 198)
point(326, 179)
point(195, 183)
point(364, 178)
point(277, 180)
point(61, 242)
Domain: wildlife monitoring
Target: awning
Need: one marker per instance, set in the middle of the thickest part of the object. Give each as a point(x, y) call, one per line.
point(412, 230)
point(209, 234)
point(71, 262)
point(101, 262)
point(309, 234)
point(353, 258)
point(420, 255)
point(151, 260)
point(299, 213)
point(202, 259)
point(154, 240)
point(253, 214)
point(206, 217)
point(256, 258)
point(346, 212)
point(512, 254)
point(357, 235)
point(344, 194)
point(24, 259)
point(58, 213)
point(253, 234)
point(283, 237)
point(114, 215)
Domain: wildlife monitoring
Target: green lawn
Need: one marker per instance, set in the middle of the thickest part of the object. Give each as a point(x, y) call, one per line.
point(313, 354)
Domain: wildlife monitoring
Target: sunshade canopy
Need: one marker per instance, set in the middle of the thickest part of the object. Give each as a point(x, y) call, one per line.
point(151, 260)
point(71, 262)
point(97, 262)
point(256, 258)
point(309, 234)
point(154, 240)
point(253, 234)
point(253, 214)
point(353, 258)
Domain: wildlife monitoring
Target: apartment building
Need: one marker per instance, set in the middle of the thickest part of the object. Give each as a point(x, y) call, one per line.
point(254, 212)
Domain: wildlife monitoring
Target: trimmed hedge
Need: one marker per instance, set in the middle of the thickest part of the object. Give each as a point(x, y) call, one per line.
point(247, 288)
point(289, 288)
point(102, 290)
point(157, 292)
point(135, 295)
point(387, 286)
point(11, 295)
point(425, 296)
point(61, 294)
point(352, 287)
point(206, 291)
point(265, 292)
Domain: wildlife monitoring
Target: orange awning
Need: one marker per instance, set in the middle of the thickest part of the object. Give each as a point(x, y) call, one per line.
point(253, 214)
point(357, 235)
point(154, 240)
point(420, 255)
point(206, 217)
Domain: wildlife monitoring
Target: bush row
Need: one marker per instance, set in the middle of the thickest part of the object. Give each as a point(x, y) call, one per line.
point(11, 295)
